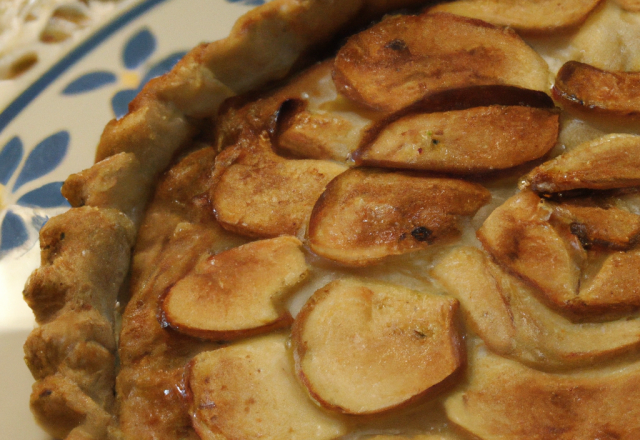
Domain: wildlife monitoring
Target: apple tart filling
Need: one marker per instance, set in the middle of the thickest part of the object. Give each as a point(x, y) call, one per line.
point(407, 240)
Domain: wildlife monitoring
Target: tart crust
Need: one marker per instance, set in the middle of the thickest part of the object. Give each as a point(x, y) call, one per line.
point(263, 46)
point(129, 198)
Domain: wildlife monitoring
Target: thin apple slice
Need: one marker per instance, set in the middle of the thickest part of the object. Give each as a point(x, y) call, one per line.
point(462, 98)
point(466, 275)
point(405, 58)
point(611, 161)
point(530, 17)
point(506, 314)
point(616, 285)
point(363, 347)
point(307, 112)
point(254, 112)
point(249, 390)
point(366, 214)
point(519, 235)
point(505, 400)
point(259, 194)
point(317, 134)
point(474, 140)
point(609, 227)
point(239, 292)
point(334, 129)
point(587, 89)
point(543, 243)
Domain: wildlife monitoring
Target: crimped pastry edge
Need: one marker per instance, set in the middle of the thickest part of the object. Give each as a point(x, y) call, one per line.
point(263, 46)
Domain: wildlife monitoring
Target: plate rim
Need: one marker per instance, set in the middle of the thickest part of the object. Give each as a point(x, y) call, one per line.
point(28, 95)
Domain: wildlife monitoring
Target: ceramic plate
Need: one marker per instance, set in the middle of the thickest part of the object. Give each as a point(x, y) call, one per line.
point(51, 129)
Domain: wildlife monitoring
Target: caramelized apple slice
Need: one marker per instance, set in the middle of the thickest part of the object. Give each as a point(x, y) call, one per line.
point(585, 88)
point(474, 140)
point(616, 285)
point(611, 227)
point(307, 113)
point(365, 347)
point(259, 194)
point(532, 17)
point(365, 214)
point(249, 390)
point(543, 244)
point(520, 237)
point(251, 114)
point(404, 58)
point(238, 292)
point(317, 134)
point(505, 400)
point(612, 161)
point(505, 313)
point(333, 129)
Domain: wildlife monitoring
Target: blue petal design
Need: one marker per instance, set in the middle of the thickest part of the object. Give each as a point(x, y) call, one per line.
point(138, 49)
point(120, 102)
point(38, 221)
point(88, 82)
point(162, 67)
point(13, 232)
point(10, 158)
point(47, 196)
point(45, 157)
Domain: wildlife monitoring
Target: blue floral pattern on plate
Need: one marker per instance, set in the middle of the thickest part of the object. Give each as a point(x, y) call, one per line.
point(24, 218)
point(137, 50)
point(89, 81)
point(248, 2)
point(44, 158)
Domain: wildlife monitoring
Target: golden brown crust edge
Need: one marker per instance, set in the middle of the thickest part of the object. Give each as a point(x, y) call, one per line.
point(85, 257)
point(74, 400)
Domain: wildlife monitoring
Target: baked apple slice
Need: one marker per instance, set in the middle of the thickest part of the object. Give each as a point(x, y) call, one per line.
point(404, 58)
point(520, 236)
point(531, 17)
point(544, 244)
point(239, 292)
point(363, 347)
point(507, 400)
point(611, 161)
point(616, 283)
point(474, 140)
point(256, 112)
point(587, 89)
point(318, 134)
point(259, 194)
point(462, 98)
point(249, 390)
point(365, 215)
point(610, 227)
point(505, 313)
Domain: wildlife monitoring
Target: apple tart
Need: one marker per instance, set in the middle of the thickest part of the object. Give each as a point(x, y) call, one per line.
point(424, 229)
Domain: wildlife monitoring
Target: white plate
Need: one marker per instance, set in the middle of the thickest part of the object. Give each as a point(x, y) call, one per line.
point(50, 131)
